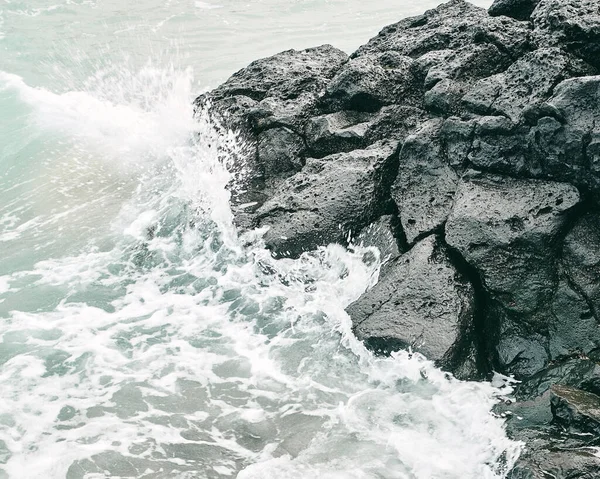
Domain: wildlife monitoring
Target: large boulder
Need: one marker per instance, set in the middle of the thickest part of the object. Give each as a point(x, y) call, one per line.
point(507, 230)
point(581, 257)
point(425, 186)
point(422, 303)
point(328, 201)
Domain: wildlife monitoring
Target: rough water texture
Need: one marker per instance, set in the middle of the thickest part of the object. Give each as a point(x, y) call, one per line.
point(478, 134)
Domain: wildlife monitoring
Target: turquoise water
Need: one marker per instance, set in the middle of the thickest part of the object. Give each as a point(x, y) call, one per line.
point(139, 336)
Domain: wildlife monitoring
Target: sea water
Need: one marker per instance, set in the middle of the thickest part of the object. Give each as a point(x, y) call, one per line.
point(140, 336)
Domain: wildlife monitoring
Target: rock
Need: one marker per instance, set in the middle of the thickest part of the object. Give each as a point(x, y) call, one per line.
point(337, 132)
point(328, 200)
point(572, 148)
point(367, 83)
point(280, 151)
point(575, 409)
point(285, 86)
point(573, 24)
point(573, 327)
point(579, 373)
point(541, 461)
point(425, 186)
point(422, 302)
point(505, 228)
point(528, 81)
point(581, 257)
point(450, 26)
point(519, 9)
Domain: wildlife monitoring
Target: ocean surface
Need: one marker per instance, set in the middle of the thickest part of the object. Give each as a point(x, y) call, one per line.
point(139, 337)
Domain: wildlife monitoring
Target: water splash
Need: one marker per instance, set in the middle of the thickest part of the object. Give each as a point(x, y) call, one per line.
point(177, 351)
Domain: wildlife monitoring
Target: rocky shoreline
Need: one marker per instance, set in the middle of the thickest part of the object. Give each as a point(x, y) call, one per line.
point(465, 145)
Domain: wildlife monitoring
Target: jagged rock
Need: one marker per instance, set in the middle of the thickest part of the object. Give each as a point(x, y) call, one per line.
point(280, 151)
point(328, 200)
point(505, 228)
point(285, 86)
point(367, 83)
point(425, 186)
point(337, 132)
point(573, 328)
point(579, 373)
point(450, 26)
point(548, 460)
point(527, 82)
point(581, 257)
point(386, 138)
point(519, 9)
point(571, 145)
point(422, 302)
point(575, 409)
point(573, 24)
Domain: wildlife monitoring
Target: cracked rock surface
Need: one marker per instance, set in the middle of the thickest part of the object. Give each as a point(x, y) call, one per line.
point(465, 145)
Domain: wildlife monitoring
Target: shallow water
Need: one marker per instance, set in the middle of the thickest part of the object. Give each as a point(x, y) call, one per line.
point(139, 336)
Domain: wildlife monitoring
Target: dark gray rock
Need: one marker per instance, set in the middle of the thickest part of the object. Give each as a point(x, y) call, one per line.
point(285, 86)
point(425, 186)
point(581, 257)
point(519, 9)
point(576, 410)
point(572, 24)
point(506, 228)
point(368, 82)
point(451, 26)
point(546, 459)
point(280, 151)
point(422, 302)
point(572, 148)
point(501, 272)
point(328, 200)
point(527, 82)
point(337, 132)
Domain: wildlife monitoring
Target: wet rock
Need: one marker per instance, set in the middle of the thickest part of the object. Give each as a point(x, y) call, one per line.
point(543, 461)
point(422, 302)
point(425, 186)
point(573, 24)
point(581, 257)
point(337, 132)
point(367, 83)
point(285, 86)
point(575, 409)
point(280, 151)
point(328, 200)
point(506, 228)
point(383, 235)
point(579, 373)
point(519, 9)
point(572, 148)
point(573, 327)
